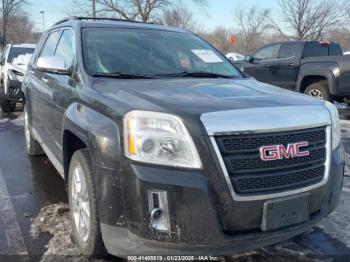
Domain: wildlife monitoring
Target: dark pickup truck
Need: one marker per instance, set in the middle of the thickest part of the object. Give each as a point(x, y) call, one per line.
point(315, 68)
point(166, 148)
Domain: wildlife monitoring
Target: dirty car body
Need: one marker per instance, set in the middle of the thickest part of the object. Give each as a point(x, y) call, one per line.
point(219, 195)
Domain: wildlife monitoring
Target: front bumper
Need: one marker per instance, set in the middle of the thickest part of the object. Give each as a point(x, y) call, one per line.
point(121, 242)
point(197, 214)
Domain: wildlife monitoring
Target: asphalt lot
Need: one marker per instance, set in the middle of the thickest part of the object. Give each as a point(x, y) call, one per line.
point(34, 222)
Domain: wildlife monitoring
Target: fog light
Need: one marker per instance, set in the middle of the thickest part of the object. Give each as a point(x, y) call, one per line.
point(159, 210)
point(156, 214)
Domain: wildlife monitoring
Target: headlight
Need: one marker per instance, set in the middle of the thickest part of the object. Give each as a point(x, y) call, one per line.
point(336, 127)
point(159, 138)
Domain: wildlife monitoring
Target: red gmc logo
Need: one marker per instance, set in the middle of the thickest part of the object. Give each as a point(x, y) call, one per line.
point(278, 152)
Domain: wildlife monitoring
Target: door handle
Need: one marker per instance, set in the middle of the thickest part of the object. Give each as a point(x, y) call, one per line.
point(291, 64)
point(45, 80)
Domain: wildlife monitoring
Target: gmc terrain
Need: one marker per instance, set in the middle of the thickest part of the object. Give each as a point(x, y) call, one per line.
point(166, 148)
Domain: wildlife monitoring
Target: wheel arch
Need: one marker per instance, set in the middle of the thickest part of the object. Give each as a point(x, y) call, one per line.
point(83, 127)
point(312, 72)
point(310, 79)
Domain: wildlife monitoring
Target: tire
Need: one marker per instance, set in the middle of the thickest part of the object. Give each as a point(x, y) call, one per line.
point(83, 205)
point(6, 106)
point(32, 146)
point(319, 90)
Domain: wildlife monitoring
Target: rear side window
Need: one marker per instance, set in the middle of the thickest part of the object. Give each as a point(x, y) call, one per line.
point(50, 45)
point(290, 50)
point(315, 49)
point(335, 49)
point(66, 48)
point(265, 53)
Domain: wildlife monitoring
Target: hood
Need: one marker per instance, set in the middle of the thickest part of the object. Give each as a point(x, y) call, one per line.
point(198, 96)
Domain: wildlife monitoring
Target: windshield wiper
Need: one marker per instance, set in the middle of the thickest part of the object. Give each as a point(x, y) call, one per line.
point(123, 76)
point(196, 74)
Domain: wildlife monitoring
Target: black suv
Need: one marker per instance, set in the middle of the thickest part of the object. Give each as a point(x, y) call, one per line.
point(316, 68)
point(167, 149)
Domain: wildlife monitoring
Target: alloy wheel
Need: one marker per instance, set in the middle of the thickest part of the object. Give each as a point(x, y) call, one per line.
point(316, 93)
point(80, 204)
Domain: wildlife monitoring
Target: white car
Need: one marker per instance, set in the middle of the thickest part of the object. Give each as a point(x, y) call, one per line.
point(12, 74)
point(235, 56)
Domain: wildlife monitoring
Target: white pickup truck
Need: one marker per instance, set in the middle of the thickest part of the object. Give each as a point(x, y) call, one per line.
point(14, 63)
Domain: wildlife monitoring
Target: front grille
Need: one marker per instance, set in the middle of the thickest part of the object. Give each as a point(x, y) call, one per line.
point(249, 174)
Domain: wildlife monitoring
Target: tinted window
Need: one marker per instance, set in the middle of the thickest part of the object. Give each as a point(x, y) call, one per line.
point(265, 53)
point(66, 48)
point(315, 49)
point(335, 49)
point(16, 51)
point(151, 53)
point(290, 50)
point(50, 45)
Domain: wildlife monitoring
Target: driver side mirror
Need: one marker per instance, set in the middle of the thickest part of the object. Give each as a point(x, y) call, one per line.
point(249, 59)
point(52, 64)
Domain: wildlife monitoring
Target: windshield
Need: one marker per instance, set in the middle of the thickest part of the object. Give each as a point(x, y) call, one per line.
point(151, 53)
point(16, 51)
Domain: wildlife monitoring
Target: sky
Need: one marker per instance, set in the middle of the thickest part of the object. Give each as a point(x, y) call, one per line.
point(217, 13)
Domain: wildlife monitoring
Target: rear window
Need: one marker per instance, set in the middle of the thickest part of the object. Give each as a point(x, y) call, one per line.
point(316, 49)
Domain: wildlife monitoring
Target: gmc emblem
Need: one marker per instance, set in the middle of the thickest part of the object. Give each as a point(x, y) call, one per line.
point(278, 152)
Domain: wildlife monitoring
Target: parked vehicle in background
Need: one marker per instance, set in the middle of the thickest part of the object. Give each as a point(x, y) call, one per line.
point(235, 57)
point(314, 68)
point(166, 148)
point(12, 74)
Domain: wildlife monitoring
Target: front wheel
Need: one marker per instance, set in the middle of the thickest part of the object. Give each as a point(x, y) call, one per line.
point(319, 90)
point(83, 205)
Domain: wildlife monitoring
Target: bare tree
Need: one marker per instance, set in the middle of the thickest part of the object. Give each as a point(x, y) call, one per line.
point(80, 8)
point(341, 36)
point(179, 16)
point(253, 25)
point(219, 38)
point(9, 9)
point(21, 30)
point(141, 10)
point(309, 19)
point(133, 9)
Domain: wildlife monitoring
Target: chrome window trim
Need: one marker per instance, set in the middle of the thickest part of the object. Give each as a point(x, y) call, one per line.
point(324, 121)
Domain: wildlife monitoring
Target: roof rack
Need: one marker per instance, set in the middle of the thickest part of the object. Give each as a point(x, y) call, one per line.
point(76, 18)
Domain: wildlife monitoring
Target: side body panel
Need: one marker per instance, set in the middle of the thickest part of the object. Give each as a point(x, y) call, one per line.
point(103, 139)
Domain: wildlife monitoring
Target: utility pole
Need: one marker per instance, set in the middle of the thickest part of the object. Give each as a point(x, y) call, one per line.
point(43, 14)
point(93, 8)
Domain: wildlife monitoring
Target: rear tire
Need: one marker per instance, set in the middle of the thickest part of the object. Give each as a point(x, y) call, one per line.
point(33, 147)
point(83, 205)
point(319, 90)
point(6, 105)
